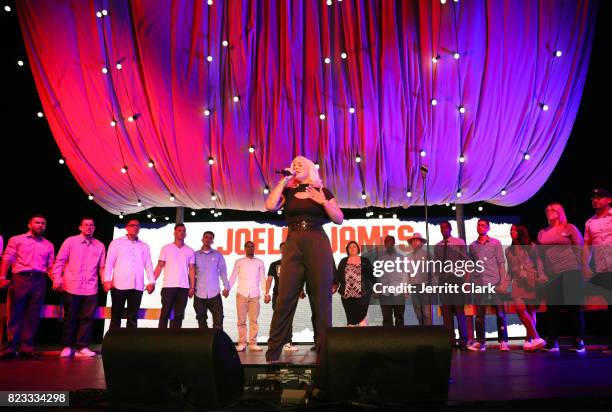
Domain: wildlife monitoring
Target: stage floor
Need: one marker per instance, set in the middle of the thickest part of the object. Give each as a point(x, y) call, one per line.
point(490, 376)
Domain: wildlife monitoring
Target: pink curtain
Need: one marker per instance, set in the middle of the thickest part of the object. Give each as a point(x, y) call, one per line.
point(507, 73)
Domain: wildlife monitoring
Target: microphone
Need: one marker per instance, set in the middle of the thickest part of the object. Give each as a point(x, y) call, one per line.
point(284, 172)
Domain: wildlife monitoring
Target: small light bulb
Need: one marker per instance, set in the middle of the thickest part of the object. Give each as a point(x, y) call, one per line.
point(121, 215)
point(443, 1)
point(459, 194)
point(7, 9)
point(409, 194)
point(504, 192)
point(150, 164)
point(423, 153)
point(154, 220)
point(266, 190)
point(211, 161)
point(358, 159)
point(251, 149)
point(329, 2)
point(206, 112)
point(461, 159)
point(317, 165)
point(193, 213)
point(545, 107)
point(104, 70)
point(363, 195)
point(209, 58)
point(166, 218)
point(212, 211)
point(220, 213)
point(351, 110)
point(113, 123)
point(216, 215)
point(139, 203)
point(327, 60)
point(454, 207)
point(447, 204)
point(131, 119)
point(213, 196)
point(558, 53)
point(104, 12)
point(343, 55)
point(526, 156)
point(322, 116)
point(124, 169)
point(99, 14)
point(40, 114)
point(279, 212)
point(91, 196)
point(456, 55)
point(480, 208)
point(225, 43)
point(19, 62)
point(119, 66)
point(461, 109)
point(236, 99)
point(394, 215)
point(149, 215)
point(172, 197)
point(380, 216)
point(434, 102)
point(209, 2)
point(61, 161)
point(436, 58)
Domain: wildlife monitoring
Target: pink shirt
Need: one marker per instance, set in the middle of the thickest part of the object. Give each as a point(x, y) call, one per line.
point(27, 254)
point(126, 263)
point(78, 264)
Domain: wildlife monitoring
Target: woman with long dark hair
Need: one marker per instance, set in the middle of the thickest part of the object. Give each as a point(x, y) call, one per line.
point(525, 270)
point(355, 279)
point(560, 247)
point(307, 256)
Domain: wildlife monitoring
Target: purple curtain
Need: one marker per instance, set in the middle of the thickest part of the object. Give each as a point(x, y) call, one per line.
point(519, 75)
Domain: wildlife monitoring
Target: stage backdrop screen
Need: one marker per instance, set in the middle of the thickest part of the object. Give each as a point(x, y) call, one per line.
point(231, 236)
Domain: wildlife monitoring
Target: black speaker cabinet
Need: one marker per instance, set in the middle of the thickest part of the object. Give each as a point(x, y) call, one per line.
point(178, 367)
point(406, 364)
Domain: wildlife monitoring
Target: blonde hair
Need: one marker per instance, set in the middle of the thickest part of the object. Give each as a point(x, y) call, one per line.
point(560, 211)
point(313, 173)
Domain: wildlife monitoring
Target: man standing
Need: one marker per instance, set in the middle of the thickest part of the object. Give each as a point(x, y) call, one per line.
point(393, 304)
point(178, 262)
point(273, 273)
point(420, 302)
point(251, 278)
point(79, 262)
point(30, 257)
point(127, 261)
point(209, 267)
point(598, 240)
point(489, 252)
point(451, 249)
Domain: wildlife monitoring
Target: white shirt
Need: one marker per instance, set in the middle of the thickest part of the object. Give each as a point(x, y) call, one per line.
point(126, 262)
point(210, 266)
point(176, 269)
point(251, 277)
point(598, 232)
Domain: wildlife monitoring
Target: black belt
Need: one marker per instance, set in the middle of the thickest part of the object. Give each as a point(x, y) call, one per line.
point(303, 226)
point(30, 273)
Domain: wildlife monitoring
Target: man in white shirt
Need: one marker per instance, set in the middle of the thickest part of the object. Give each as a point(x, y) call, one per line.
point(127, 260)
point(209, 268)
point(177, 260)
point(251, 279)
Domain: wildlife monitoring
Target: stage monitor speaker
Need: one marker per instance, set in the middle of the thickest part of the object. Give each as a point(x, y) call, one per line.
point(179, 367)
point(387, 364)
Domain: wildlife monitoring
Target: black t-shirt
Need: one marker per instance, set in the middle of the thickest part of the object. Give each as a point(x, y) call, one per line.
point(274, 271)
point(297, 210)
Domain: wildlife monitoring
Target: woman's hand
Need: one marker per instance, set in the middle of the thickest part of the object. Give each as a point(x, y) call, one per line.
point(316, 194)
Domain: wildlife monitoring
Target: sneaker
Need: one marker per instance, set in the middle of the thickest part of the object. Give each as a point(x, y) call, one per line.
point(241, 347)
point(477, 347)
point(578, 347)
point(538, 344)
point(552, 347)
point(85, 353)
point(290, 348)
point(528, 346)
point(504, 347)
point(66, 352)
point(255, 348)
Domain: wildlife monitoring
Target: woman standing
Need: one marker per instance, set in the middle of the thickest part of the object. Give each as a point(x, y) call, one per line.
point(355, 279)
point(525, 270)
point(307, 256)
point(560, 249)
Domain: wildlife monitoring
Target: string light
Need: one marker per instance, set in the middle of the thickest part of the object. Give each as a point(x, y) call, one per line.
point(61, 161)
point(206, 112)
point(166, 218)
point(454, 207)
point(380, 216)
point(104, 70)
point(251, 149)
point(150, 164)
point(434, 102)
point(442, 1)
point(124, 169)
point(139, 203)
point(423, 153)
point(409, 194)
point(91, 196)
point(209, 58)
point(236, 99)
point(504, 192)
point(394, 215)
point(351, 110)
point(99, 14)
point(329, 2)
point(544, 107)
point(322, 116)
point(266, 190)
point(436, 58)
point(213, 196)
point(154, 220)
point(526, 156)
point(131, 119)
point(462, 159)
point(456, 55)
point(343, 55)
point(558, 53)
point(363, 195)
point(172, 197)
point(212, 211)
point(220, 213)
point(7, 9)
point(358, 158)
point(193, 213)
point(211, 161)
point(119, 66)
point(209, 2)
point(40, 114)
point(327, 60)
point(459, 194)
point(447, 204)
point(279, 212)
point(225, 43)
point(113, 123)
point(317, 165)
point(480, 208)
point(149, 215)
point(104, 12)
point(120, 215)
point(19, 63)
point(461, 109)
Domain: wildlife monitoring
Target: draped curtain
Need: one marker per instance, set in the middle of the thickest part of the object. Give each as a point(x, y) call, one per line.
point(175, 93)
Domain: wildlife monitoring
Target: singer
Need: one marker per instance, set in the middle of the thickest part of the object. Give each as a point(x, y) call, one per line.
point(307, 256)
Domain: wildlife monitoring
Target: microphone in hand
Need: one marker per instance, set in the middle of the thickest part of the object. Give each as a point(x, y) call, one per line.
point(285, 172)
